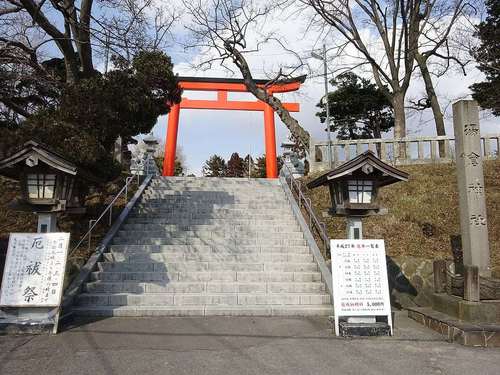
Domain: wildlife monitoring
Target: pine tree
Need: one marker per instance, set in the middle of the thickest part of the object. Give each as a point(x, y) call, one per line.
point(215, 166)
point(236, 166)
point(358, 108)
point(488, 57)
point(260, 167)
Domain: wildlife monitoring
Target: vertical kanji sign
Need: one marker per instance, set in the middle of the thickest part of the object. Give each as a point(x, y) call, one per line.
point(471, 190)
point(34, 269)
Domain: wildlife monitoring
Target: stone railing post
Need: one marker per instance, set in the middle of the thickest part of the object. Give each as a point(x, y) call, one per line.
point(312, 155)
point(473, 221)
point(440, 275)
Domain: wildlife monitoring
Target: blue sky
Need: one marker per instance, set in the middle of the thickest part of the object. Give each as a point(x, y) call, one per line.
point(203, 133)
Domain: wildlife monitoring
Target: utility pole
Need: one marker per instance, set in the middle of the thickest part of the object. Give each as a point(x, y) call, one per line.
point(325, 68)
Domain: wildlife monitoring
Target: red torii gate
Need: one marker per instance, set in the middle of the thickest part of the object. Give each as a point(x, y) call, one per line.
point(222, 86)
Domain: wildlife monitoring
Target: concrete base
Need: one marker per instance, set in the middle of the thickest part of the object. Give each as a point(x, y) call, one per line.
point(468, 334)
point(364, 329)
point(473, 312)
point(26, 329)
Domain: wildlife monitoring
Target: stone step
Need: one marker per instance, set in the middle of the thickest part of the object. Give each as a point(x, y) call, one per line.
point(239, 202)
point(166, 207)
point(205, 287)
point(206, 266)
point(207, 249)
point(225, 216)
point(215, 181)
point(242, 202)
point(228, 227)
point(183, 299)
point(223, 235)
point(273, 202)
point(249, 310)
point(205, 210)
point(241, 276)
point(214, 184)
point(210, 242)
point(207, 257)
point(213, 190)
point(211, 221)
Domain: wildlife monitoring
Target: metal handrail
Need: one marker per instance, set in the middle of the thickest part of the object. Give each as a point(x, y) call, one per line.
point(303, 201)
point(109, 208)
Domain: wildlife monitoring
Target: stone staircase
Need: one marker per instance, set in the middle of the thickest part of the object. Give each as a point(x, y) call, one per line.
point(208, 246)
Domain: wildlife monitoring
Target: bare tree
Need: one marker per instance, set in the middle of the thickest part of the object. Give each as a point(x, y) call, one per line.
point(397, 24)
point(80, 31)
point(437, 53)
point(395, 36)
point(222, 27)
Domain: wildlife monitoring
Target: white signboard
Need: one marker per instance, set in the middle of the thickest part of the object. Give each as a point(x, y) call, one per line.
point(34, 269)
point(360, 285)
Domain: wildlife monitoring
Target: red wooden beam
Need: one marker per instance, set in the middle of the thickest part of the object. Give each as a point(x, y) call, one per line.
point(232, 105)
point(235, 87)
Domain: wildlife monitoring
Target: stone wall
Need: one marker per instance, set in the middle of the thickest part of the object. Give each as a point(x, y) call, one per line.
point(412, 281)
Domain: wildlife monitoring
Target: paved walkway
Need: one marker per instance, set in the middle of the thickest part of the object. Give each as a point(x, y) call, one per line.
point(236, 346)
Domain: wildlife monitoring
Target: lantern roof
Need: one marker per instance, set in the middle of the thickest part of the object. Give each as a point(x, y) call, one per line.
point(34, 152)
point(387, 174)
point(150, 138)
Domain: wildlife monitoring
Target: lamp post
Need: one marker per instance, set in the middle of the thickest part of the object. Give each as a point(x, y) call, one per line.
point(323, 58)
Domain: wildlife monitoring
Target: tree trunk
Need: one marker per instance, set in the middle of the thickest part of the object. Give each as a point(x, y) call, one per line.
point(431, 95)
point(299, 134)
point(398, 103)
point(84, 38)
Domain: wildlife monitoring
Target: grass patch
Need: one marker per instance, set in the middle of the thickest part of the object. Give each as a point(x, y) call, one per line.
point(423, 212)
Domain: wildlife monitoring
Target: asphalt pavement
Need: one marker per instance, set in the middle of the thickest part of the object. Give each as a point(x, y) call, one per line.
point(237, 345)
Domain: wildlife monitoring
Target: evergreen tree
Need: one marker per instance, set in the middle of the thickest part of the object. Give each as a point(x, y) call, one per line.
point(358, 108)
point(236, 166)
point(260, 167)
point(215, 166)
point(488, 57)
point(90, 114)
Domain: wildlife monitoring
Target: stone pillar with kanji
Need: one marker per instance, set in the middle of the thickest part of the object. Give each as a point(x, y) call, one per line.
point(469, 158)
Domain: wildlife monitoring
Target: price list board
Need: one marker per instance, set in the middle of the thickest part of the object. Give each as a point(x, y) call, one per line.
point(34, 269)
point(360, 285)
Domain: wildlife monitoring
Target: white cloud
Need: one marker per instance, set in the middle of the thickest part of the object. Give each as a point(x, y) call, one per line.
point(202, 133)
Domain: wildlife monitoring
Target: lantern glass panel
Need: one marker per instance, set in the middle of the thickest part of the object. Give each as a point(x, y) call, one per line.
point(33, 186)
point(360, 191)
point(41, 186)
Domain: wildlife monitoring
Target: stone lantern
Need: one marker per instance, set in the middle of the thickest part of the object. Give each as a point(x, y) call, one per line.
point(149, 161)
point(49, 183)
point(292, 160)
point(151, 143)
point(354, 189)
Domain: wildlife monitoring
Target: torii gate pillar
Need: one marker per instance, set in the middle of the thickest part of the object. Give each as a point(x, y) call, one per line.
point(222, 87)
point(270, 139)
point(171, 141)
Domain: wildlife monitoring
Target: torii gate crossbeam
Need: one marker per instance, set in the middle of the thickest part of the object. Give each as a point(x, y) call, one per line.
point(222, 86)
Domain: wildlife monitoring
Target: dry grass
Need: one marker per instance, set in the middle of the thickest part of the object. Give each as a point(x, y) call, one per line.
point(429, 200)
point(77, 225)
